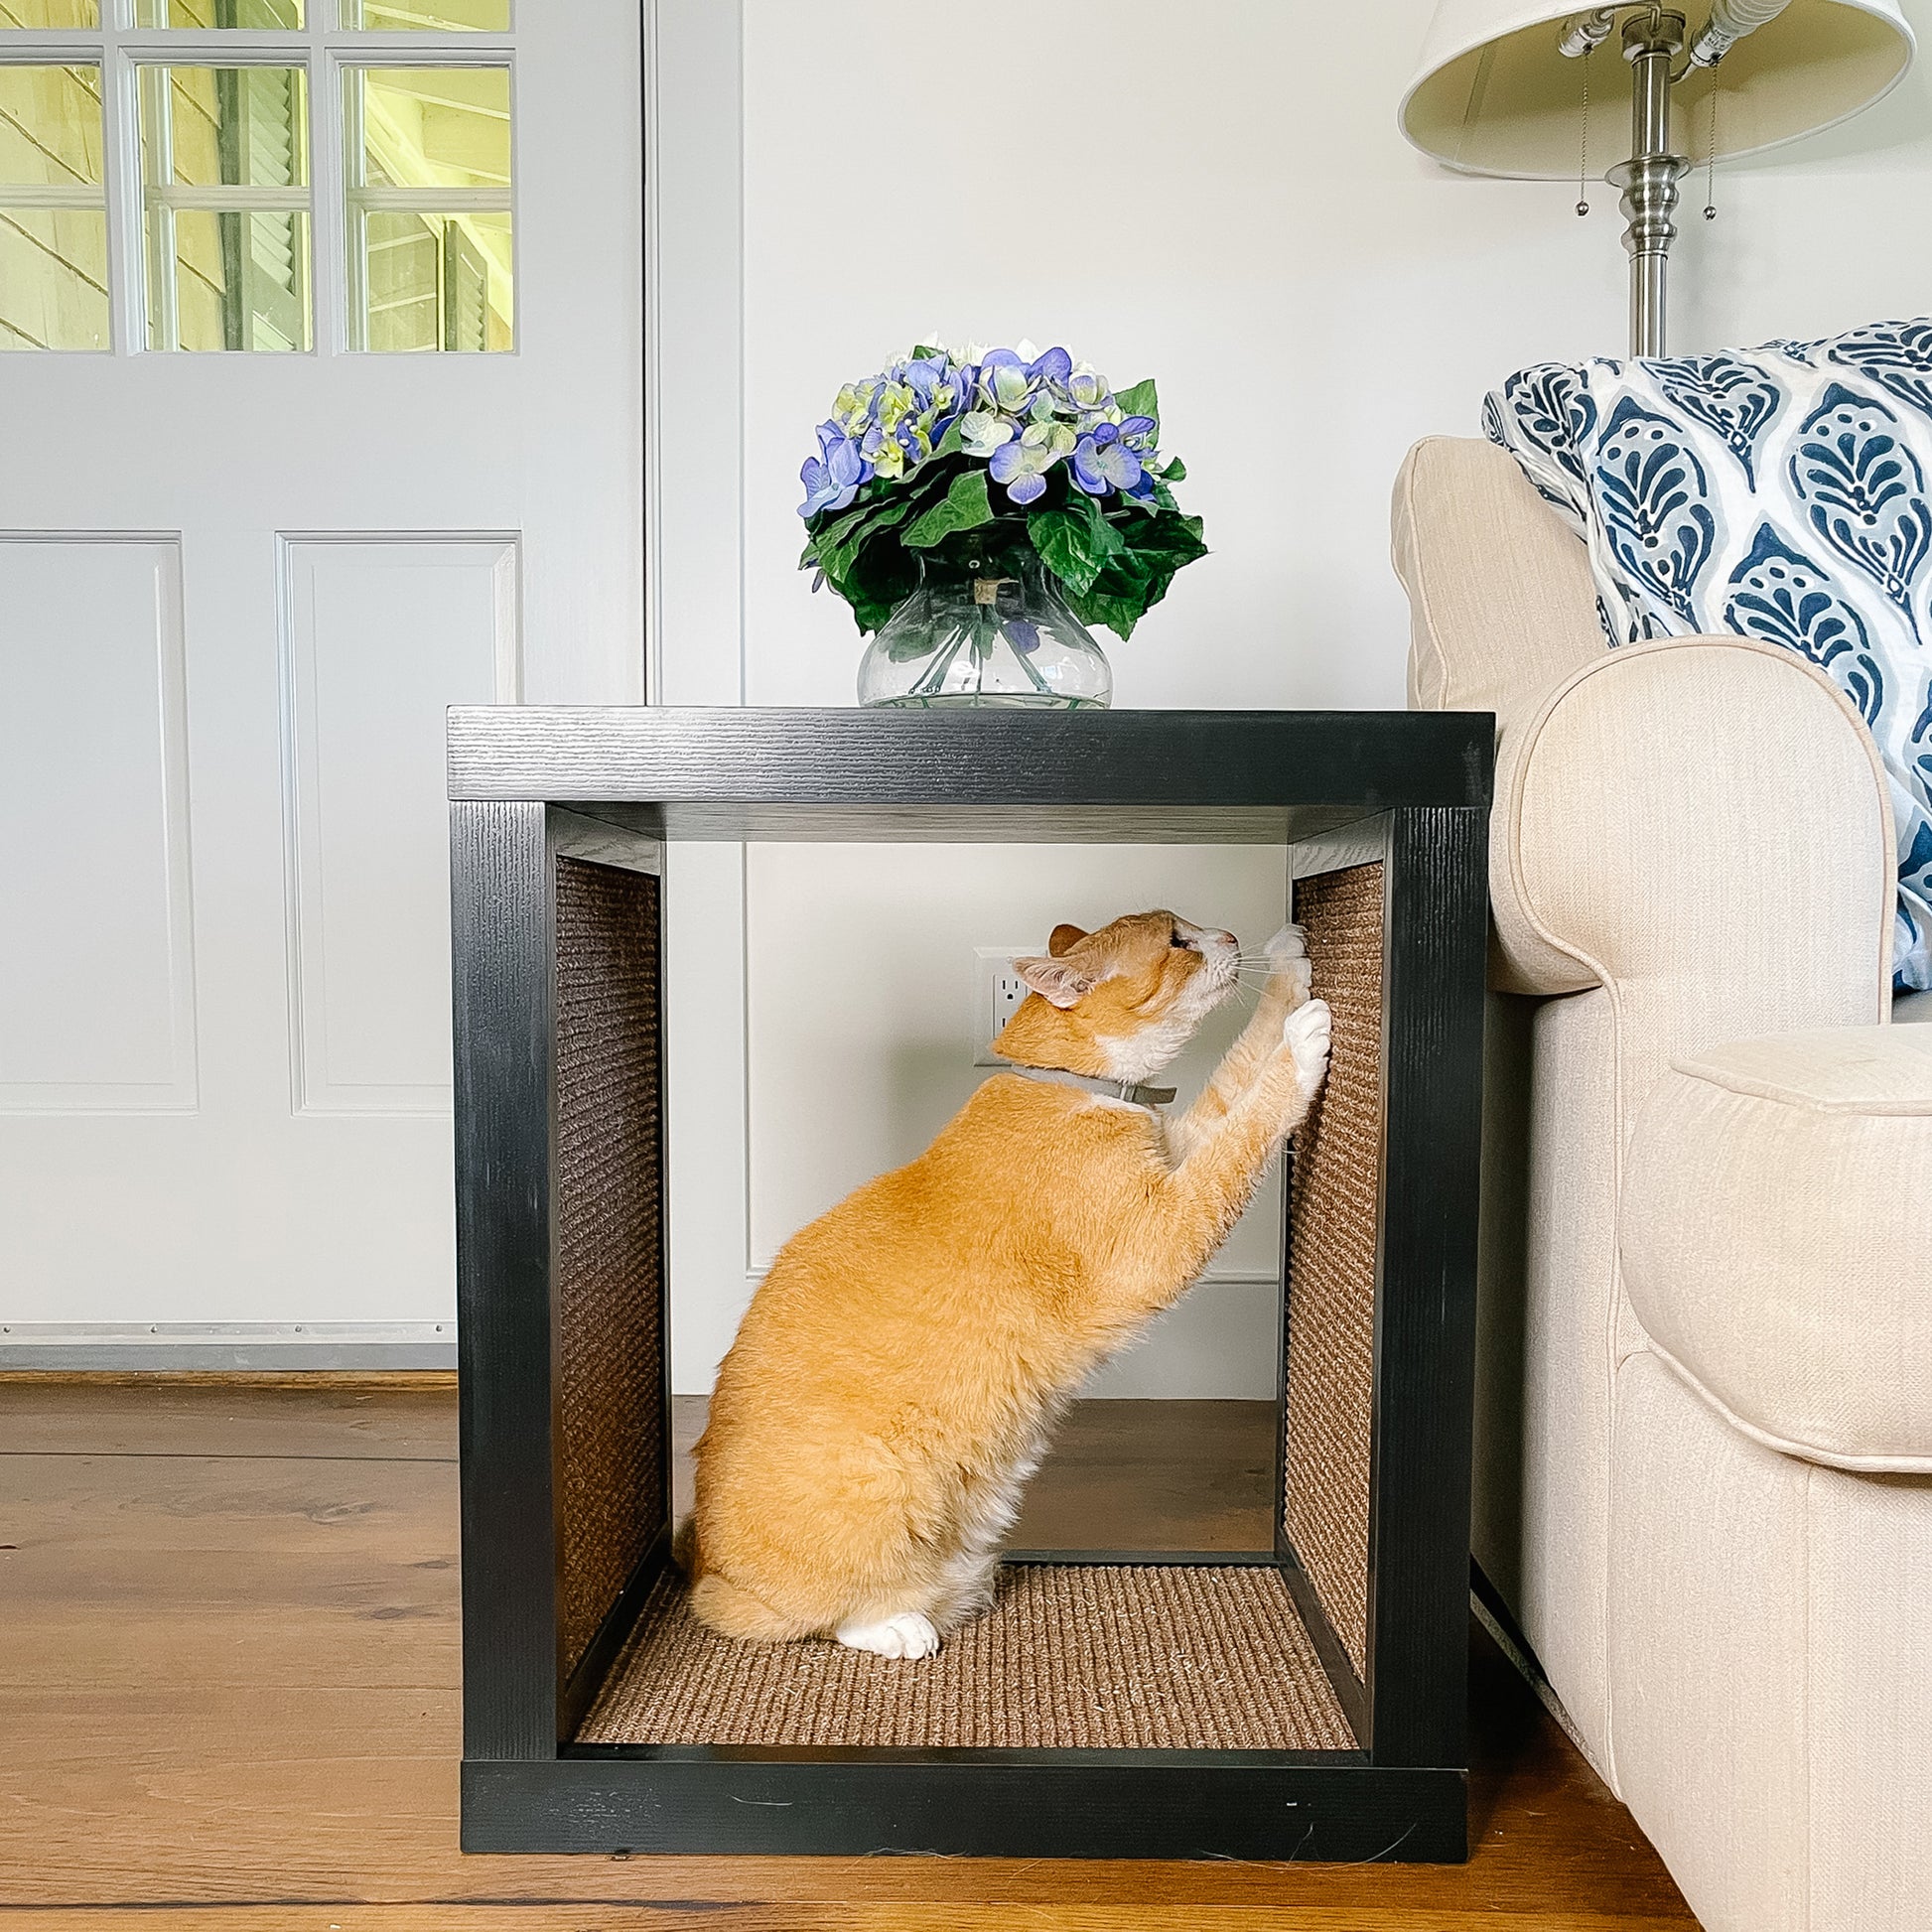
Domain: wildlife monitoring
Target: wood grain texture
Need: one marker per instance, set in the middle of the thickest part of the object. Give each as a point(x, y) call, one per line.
point(840, 1916)
point(1191, 1476)
point(1095, 770)
point(390, 1381)
point(504, 1004)
point(94, 1415)
point(1426, 1301)
point(1154, 1475)
point(270, 1757)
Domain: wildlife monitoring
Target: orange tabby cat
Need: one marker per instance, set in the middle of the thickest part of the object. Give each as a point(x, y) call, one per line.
point(894, 1381)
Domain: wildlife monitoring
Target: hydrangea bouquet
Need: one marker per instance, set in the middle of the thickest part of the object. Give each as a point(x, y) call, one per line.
point(982, 462)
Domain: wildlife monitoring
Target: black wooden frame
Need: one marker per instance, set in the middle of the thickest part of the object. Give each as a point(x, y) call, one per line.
point(1409, 789)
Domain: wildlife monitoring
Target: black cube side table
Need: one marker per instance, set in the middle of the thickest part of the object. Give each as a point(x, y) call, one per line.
point(1304, 1700)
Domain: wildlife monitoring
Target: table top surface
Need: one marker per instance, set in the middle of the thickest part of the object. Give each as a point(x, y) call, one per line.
point(1165, 776)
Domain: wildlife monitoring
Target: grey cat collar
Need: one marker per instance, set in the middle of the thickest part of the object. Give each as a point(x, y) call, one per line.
point(1137, 1094)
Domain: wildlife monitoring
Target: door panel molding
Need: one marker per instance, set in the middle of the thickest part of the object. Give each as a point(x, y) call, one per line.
point(363, 621)
point(98, 977)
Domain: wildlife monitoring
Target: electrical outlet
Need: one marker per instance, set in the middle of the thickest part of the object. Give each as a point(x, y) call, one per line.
point(997, 993)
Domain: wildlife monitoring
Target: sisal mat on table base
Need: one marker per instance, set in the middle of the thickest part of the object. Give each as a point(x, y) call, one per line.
point(609, 1327)
point(1333, 1193)
point(1153, 1658)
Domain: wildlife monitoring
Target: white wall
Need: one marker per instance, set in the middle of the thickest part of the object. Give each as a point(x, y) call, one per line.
point(1214, 195)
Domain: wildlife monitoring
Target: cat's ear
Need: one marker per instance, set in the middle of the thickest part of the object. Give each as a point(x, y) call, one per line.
point(1057, 981)
point(1064, 939)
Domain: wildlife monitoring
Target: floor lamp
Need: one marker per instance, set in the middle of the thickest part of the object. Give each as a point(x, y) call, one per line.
point(1504, 89)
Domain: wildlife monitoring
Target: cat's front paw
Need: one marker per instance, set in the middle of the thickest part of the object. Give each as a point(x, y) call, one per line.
point(909, 1634)
point(1287, 954)
point(1290, 943)
point(1307, 1033)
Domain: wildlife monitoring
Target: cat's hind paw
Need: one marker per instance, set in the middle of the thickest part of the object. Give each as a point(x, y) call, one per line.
point(909, 1634)
point(1307, 1033)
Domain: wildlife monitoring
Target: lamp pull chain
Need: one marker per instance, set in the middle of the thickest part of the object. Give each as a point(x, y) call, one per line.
point(1711, 163)
point(1583, 150)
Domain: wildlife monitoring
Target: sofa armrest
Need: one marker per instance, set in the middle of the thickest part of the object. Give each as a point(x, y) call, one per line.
point(1702, 826)
point(1774, 1245)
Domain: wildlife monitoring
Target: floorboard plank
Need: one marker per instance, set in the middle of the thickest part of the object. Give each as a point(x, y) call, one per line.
point(835, 1916)
point(119, 1418)
point(118, 1570)
point(227, 1702)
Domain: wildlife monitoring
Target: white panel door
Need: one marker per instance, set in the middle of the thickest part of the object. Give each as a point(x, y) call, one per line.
point(239, 583)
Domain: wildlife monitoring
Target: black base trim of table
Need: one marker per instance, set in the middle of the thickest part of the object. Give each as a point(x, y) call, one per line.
point(1325, 1807)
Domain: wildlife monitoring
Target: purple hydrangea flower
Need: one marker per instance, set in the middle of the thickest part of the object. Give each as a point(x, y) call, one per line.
point(1054, 366)
point(1021, 467)
point(1103, 461)
point(832, 477)
point(924, 374)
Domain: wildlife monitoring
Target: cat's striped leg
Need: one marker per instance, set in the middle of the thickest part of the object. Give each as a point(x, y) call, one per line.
point(1188, 1213)
point(1285, 988)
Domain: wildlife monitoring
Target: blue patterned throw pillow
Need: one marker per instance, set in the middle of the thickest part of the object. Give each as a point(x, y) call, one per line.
point(1778, 492)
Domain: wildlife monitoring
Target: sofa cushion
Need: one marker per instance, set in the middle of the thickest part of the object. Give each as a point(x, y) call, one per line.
point(1775, 1241)
point(1500, 604)
point(1784, 491)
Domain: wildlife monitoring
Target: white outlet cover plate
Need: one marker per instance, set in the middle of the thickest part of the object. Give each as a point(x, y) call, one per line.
point(996, 994)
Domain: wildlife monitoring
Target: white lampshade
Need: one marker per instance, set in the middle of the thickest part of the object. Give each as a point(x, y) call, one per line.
point(1494, 96)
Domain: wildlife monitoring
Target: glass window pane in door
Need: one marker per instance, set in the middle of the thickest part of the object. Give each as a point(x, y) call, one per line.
point(405, 282)
point(49, 13)
point(224, 166)
point(53, 278)
point(431, 127)
point(254, 15)
point(50, 128)
point(52, 209)
point(431, 264)
point(210, 127)
point(241, 279)
point(428, 16)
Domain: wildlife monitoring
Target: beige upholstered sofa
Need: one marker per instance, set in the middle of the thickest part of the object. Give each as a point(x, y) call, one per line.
point(1705, 1430)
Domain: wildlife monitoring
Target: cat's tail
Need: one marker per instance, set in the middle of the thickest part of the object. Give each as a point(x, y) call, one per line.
point(736, 1613)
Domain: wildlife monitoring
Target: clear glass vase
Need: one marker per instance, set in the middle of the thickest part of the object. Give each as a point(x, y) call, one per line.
point(963, 640)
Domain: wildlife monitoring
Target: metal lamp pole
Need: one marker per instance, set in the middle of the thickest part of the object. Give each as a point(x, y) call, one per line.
point(1653, 37)
point(1651, 44)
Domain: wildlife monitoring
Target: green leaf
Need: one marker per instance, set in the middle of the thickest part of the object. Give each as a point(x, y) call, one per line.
point(1174, 471)
point(965, 506)
point(834, 528)
point(1141, 400)
point(836, 559)
point(1166, 540)
point(1067, 546)
point(1118, 614)
point(952, 444)
point(1106, 540)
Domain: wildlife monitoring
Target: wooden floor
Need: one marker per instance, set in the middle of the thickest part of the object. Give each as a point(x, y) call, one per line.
point(229, 1703)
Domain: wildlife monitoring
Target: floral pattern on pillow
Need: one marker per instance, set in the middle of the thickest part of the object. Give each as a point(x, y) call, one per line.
point(1779, 493)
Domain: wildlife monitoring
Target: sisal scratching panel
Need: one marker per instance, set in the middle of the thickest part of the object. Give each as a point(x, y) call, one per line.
point(1333, 1197)
point(1070, 1658)
point(610, 1464)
